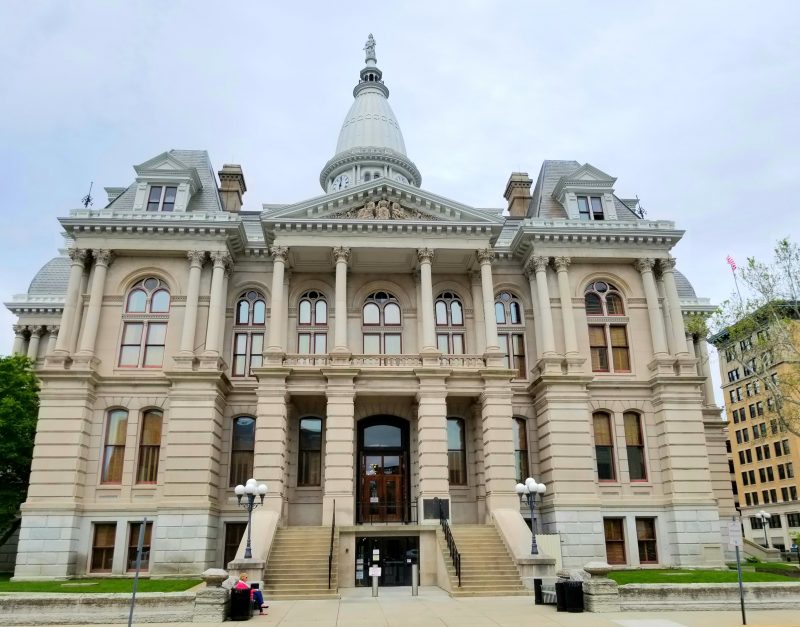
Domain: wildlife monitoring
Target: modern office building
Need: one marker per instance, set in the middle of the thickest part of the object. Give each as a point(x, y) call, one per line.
point(374, 355)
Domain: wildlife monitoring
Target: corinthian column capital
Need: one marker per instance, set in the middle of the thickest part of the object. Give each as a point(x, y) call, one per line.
point(37, 331)
point(644, 265)
point(562, 263)
point(279, 253)
point(540, 263)
point(220, 258)
point(78, 255)
point(18, 329)
point(485, 255)
point(667, 265)
point(425, 255)
point(103, 257)
point(341, 253)
point(196, 257)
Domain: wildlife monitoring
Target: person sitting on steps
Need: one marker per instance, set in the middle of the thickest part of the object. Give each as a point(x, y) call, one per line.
point(255, 594)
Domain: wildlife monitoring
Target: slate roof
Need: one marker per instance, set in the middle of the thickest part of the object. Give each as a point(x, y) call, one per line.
point(685, 289)
point(543, 205)
point(205, 200)
point(52, 278)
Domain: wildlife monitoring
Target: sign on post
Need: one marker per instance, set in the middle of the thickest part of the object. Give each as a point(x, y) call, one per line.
point(735, 543)
point(734, 535)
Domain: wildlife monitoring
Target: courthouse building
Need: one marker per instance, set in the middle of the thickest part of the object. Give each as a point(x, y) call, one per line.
point(372, 354)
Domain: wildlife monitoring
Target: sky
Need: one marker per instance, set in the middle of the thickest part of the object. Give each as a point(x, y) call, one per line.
point(694, 106)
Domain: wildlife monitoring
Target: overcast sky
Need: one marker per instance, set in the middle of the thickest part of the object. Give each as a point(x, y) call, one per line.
point(694, 106)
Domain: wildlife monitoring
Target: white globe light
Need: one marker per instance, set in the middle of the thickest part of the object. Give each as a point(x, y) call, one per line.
point(239, 490)
point(531, 484)
point(520, 489)
point(250, 481)
point(262, 489)
point(541, 488)
point(250, 488)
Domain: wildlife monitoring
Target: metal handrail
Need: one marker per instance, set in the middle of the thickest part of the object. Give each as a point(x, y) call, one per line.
point(366, 516)
point(451, 543)
point(330, 552)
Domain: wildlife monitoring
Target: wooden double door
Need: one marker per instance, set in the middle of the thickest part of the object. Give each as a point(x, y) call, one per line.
point(383, 491)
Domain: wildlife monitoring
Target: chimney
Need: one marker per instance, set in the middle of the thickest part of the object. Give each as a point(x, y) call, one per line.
point(518, 194)
point(232, 187)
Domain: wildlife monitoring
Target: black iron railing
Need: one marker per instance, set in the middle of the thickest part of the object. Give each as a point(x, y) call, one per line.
point(375, 514)
point(451, 543)
point(330, 552)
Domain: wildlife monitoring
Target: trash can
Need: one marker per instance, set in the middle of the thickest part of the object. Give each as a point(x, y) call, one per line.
point(574, 595)
point(241, 605)
point(538, 599)
point(561, 596)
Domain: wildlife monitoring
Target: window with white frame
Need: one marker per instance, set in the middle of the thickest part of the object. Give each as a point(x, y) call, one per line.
point(608, 333)
point(511, 331)
point(381, 324)
point(161, 198)
point(144, 328)
point(449, 314)
point(312, 324)
point(590, 208)
point(249, 326)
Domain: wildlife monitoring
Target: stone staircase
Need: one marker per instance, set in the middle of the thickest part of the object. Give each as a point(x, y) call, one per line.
point(297, 567)
point(487, 570)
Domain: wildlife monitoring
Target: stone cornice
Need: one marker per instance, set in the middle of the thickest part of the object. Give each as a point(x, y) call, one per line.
point(28, 304)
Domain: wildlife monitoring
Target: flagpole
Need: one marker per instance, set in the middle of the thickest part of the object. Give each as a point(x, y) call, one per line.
point(732, 264)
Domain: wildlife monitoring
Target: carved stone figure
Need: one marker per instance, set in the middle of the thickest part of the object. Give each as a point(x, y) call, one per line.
point(397, 212)
point(367, 211)
point(382, 213)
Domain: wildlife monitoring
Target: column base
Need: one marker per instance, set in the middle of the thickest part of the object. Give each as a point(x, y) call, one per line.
point(550, 365)
point(575, 363)
point(687, 366)
point(58, 359)
point(85, 361)
point(662, 364)
point(184, 361)
point(211, 360)
point(430, 356)
point(273, 356)
point(494, 358)
point(340, 356)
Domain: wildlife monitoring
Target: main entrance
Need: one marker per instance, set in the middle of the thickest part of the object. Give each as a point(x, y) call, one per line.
point(383, 477)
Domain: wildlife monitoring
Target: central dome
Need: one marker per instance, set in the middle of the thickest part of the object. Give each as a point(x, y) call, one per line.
point(370, 143)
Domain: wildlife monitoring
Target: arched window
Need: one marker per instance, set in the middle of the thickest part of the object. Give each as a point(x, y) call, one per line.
point(114, 450)
point(249, 327)
point(144, 331)
point(149, 447)
point(634, 445)
point(608, 335)
point(381, 320)
point(312, 324)
point(521, 449)
point(243, 442)
point(449, 315)
point(511, 331)
point(309, 454)
point(604, 446)
point(456, 452)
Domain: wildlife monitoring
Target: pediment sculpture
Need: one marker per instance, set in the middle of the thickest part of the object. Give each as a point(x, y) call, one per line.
point(383, 210)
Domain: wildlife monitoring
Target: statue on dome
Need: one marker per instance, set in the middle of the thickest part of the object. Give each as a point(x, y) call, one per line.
point(369, 48)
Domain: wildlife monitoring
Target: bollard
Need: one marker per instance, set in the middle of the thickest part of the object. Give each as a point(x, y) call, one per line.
point(374, 585)
point(414, 580)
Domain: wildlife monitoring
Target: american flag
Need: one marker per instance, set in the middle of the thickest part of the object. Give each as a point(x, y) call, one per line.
point(731, 262)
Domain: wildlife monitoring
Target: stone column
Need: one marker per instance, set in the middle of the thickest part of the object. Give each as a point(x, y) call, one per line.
point(477, 310)
point(485, 258)
point(539, 265)
point(52, 339)
point(78, 257)
point(645, 267)
point(196, 259)
point(498, 445)
point(705, 371)
point(434, 478)
point(270, 464)
point(418, 307)
point(279, 256)
point(216, 309)
point(530, 273)
point(340, 453)
point(425, 257)
point(33, 343)
point(223, 314)
point(287, 277)
point(102, 259)
point(668, 331)
point(673, 304)
point(342, 256)
point(567, 316)
point(19, 340)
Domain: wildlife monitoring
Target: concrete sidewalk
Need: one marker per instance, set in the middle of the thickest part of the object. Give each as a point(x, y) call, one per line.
point(434, 608)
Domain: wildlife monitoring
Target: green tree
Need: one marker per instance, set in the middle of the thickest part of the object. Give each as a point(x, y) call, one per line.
point(19, 407)
point(759, 328)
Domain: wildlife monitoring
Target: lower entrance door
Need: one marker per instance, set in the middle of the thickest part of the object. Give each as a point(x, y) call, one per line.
point(393, 554)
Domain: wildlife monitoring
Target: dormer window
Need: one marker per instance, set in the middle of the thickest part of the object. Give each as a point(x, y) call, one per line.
point(161, 198)
point(590, 208)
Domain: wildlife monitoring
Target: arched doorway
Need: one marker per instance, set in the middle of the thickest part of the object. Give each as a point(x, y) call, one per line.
point(383, 470)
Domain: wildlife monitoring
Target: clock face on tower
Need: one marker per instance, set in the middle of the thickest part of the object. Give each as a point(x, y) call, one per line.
point(341, 182)
point(400, 178)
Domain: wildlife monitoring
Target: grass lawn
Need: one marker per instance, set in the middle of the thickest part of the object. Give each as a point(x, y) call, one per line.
point(97, 585)
point(675, 575)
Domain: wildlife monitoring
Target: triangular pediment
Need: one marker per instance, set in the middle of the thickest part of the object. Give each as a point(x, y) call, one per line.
point(167, 167)
point(585, 178)
point(164, 161)
point(588, 172)
point(382, 201)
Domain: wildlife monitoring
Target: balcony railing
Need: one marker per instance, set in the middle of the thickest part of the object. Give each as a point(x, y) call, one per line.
point(386, 361)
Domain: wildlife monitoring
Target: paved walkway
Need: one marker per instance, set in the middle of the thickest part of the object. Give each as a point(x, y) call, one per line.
point(434, 608)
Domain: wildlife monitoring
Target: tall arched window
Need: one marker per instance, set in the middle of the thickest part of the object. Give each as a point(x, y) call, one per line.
point(511, 331)
point(114, 450)
point(449, 314)
point(604, 446)
point(249, 326)
point(634, 445)
point(312, 324)
point(149, 447)
point(243, 443)
point(309, 454)
point(521, 449)
point(144, 327)
point(608, 335)
point(381, 322)
point(456, 452)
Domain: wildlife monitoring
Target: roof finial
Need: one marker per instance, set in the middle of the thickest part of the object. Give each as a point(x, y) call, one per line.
point(370, 50)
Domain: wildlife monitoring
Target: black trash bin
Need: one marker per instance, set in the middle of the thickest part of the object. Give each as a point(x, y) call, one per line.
point(538, 599)
point(574, 596)
point(561, 596)
point(241, 605)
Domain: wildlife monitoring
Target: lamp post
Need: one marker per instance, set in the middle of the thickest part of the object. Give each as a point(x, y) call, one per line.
point(250, 489)
point(529, 490)
point(764, 517)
